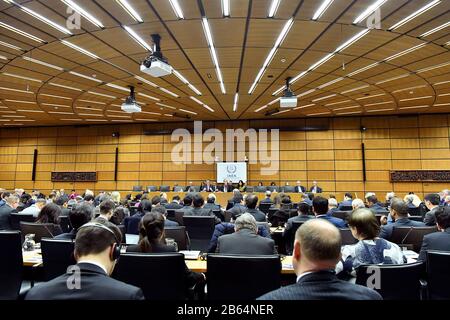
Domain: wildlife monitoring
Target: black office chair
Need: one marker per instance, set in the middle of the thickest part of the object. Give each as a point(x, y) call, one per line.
point(57, 256)
point(161, 276)
point(227, 215)
point(200, 230)
point(11, 264)
point(264, 207)
point(16, 218)
point(170, 214)
point(271, 212)
point(288, 189)
point(347, 237)
point(151, 188)
point(273, 188)
point(393, 281)
point(218, 213)
point(249, 276)
point(289, 239)
point(179, 189)
point(438, 275)
point(344, 215)
point(410, 237)
point(260, 189)
point(180, 236)
point(249, 189)
point(416, 218)
point(345, 208)
point(137, 188)
point(65, 225)
point(179, 217)
point(164, 188)
point(40, 230)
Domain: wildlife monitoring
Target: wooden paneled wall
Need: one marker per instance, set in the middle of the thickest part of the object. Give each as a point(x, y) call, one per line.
point(331, 157)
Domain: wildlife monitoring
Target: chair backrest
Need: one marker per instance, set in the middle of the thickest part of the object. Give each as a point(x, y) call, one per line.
point(11, 264)
point(123, 231)
point(151, 188)
point(64, 223)
point(161, 276)
point(260, 189)
point(16, 218)
point(137, 188)
point(164, 188)
point(344, 215)
point(180, 236)
point(170, 214)
point(248, 276)
point(273, 188)
point(133, 210)
point(227, 216)
point(393, 281)
point(178, 188)
point(57, 255)
point(271, 212)
point(199, 227)
point(411, 236)
point(264, 207)
point(249, 189)
point(438, 274)
point(346, 208)
point(263, 225)
point(347, 237)
point(179, 217)
point(288, 189)
point(40, 230)
point(218, 213)
point(416, 218)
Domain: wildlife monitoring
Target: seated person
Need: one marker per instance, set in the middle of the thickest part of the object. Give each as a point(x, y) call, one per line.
point(332, 206)
point(175, 204)
point(299, 188)
point(211, 202)
point(96, 248)
point(348, 198)
point(303, 216)
point(207, 187)
point(399, 214)
point(106, 211)
point(317, 249)
point(439, 241)
point(50, 214)
point(370, 249)
point(241, 186)
point(226, 187)
point(190, 187)
point(156, 202)
point(357, 204)
point(198, 210)
point(132, 223)
point(267, 199)
point(151, 240)
point(238, 207)
point(315, 188)
point(251, 201)
point(320, 209)
point(119, 215)
point(35, 208)
point(187, 203)
point(167, 222)
point(78, 216)
point(374, 205)
point(245, 239)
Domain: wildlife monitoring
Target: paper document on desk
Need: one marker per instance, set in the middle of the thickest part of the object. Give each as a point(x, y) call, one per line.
point(287, 266)
point(190, 254)
point(409, 254)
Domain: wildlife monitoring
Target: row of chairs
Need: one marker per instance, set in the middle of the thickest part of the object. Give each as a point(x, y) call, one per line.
point(165, 188)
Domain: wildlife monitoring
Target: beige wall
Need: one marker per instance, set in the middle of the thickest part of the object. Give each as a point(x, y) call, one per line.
point(332, 157)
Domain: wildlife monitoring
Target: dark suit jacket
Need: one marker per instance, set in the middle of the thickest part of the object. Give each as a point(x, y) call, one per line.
point(237, 210)
point(245, 241)
point(95, 285)
point(229, 188)
point(258, 215)
point(170, 223)
point(201, 212)
point(266, 200)
point(339, 223)
point(386, 230)
point(430, 217)
point(209, 188)
point(319, 189)
point(347, 203)
point(322, 285)
point(211, 206)
point(173, 206)
point(132, 223)
point(66, 236)
point(301, 189)
point(377, 208)
point(5, 215)
point(439, 241)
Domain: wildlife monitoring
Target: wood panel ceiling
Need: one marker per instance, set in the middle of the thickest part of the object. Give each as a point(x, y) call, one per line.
point(61, 85)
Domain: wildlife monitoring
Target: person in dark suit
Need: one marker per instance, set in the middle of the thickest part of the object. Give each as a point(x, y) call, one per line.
point(245, 239)
point(78, 216)
point(97, 247)
point(163, 211)
point(317, 249)
point(348, 198)
point(303, 216)
point(399, 213)
point(187, 203)
point(11, 203)
point(439, 241)
point(299, 188)
point(432, 203)
point(151, 235)
point(315, 188)
point(267, 199)
point(211, 202)
point(332, 206)
point(226, 187)
point(175, 204)
point(250, 202)
point(198, 210)
point(132, 223)
point(374, 205)
point(236, 206)
point(190, 187)
point(320, 209)
point(106, 211)
point(208, 187)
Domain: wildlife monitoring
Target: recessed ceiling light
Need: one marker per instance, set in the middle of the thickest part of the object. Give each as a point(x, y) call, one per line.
point(42, 63)
point(22, 33)
point(321, 10)
point(415, 14)
point(79, 49)
point(226, 8)
point(63, 86)
point(235, 103)
point(202, 104)
point(8, 45)
point(85, 77)
point(439, 28)
point(177, 9)
point(130, 10)
point(84, 13)
point(273, 8)
point(213, 53)
point(102, 94)
point(138, 39)
point(371, 9)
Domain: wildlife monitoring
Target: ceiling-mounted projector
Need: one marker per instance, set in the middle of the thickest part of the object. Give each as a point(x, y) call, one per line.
point(130, 104)
point(289, 99)
point(155, 64)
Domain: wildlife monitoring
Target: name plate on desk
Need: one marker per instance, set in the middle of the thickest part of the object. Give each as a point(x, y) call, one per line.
point(420, 176)
point(74, 176)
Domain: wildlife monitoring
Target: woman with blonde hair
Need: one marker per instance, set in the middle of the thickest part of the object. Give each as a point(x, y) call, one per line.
point(115, 196)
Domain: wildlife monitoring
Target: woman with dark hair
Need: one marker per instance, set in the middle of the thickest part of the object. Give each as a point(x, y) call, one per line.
point(50, 214)
point(120, 213)
point(241, 186)
point(151, 240)
point(260, 184)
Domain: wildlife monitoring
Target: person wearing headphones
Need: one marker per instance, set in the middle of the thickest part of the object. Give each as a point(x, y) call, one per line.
point(97, 248)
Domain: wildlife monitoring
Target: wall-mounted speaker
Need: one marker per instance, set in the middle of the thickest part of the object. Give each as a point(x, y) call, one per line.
point(116, 161)
point(33, 173)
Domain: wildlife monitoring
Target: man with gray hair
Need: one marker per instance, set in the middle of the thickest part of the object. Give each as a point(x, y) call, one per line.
point(12, 201)
point(317, 249)
point(332, 206)
point(35, 208)
point(245, 239)
point(358, 203)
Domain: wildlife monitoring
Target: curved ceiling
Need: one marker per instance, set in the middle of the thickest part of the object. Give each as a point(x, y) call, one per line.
point(55, 71)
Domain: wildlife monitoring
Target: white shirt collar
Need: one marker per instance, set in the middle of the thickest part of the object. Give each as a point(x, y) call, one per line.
point(94, 263)
point(303, 274)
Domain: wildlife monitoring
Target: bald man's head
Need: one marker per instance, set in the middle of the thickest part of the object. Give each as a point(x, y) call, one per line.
point(320, 241)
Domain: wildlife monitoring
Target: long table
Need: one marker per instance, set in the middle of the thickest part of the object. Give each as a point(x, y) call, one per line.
point(33, 258)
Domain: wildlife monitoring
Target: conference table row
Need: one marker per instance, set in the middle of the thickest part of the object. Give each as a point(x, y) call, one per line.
point(34, 258)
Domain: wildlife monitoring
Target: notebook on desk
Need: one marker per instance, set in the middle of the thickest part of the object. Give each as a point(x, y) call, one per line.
point(190, 254)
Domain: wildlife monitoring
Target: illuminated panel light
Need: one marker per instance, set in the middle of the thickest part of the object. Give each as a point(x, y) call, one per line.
point(146, 81)
point(185, 81)
point(393, 78)
point(20, 101)
point(145, 119)
point(89, 108)
point(352, 40)
point(130, 10)
point(165, 106)
point(380, 110)
point(355, 89)
point(407, 89)
point(168, 115)
point(42, 63)
point(335, 103)
point(20, 77)
point(84, 13)
point(16, 90)
point(85, 77)
point(3, 57)
point(138, 39)
point(441, 104)
point(351, 74)
point(102, 95)
point(324, 98)
point(177, 9)
point(35, 111)
point(79, 49)
point(8, 45)
point(352, 112)
point(346, 108)
point(116, 116)
point(433, 67)
point(63, 86)
point(306, 93)
point(55, 105)
point(413, 107)
point(169, 92)
point(269, 104)
point(378, 103)
point(442, 82)
point(71, 119)
point(418, 98)
point(90, 101)
point(430, 32)
point(415, 14)
point(226, 8)
point(282, 111)
point(305, 106)
point(330, 83)
point(202, 104)
point(317, 114)
point(273, 8)
point(60, 112)
point(153, 113)
point(213, 53)
point(96, 120)
point(91, 114)
point(444, 95)
point(323, 7)
point(40, 17)
point(115, 86)
point(22, 33)
point(187, 111)
point(278, 42)
point(402, 53)
point(149, 97)
point(371, 9)
point(372, 96)
point(235, 103)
